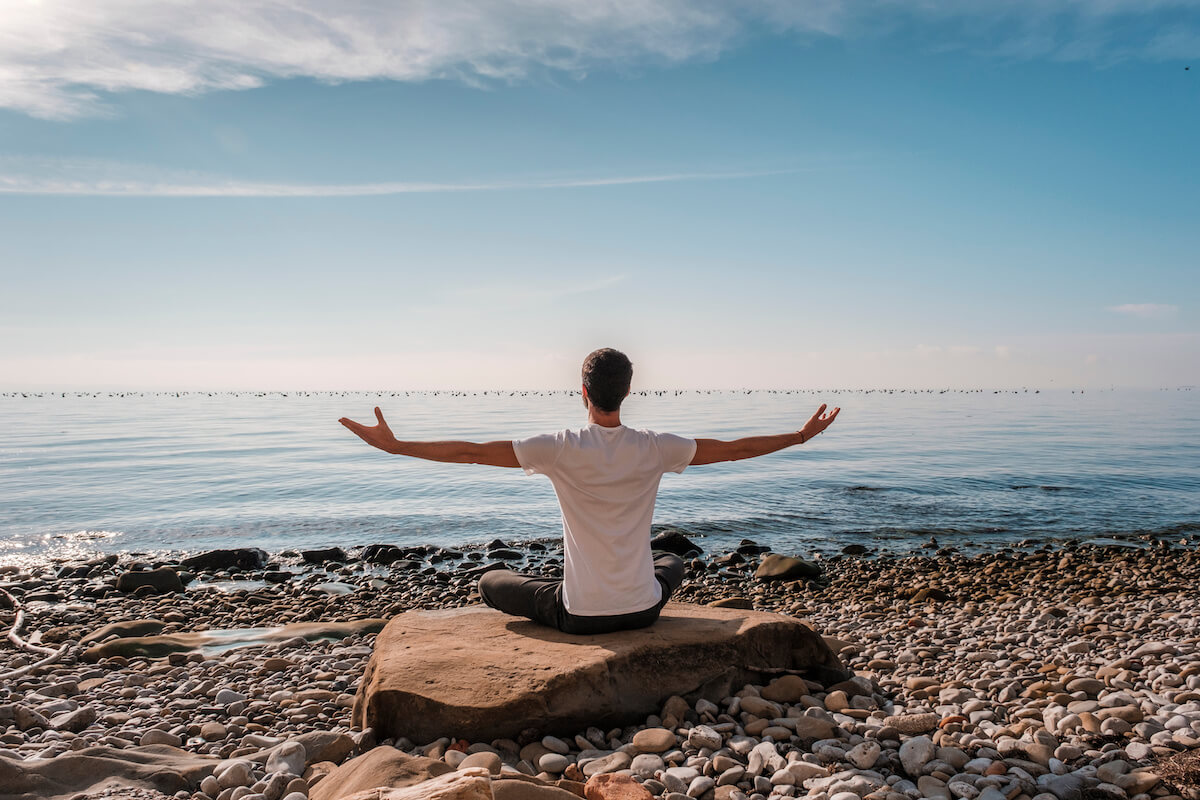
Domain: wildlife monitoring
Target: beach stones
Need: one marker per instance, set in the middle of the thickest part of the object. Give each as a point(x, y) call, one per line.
point(776, 567)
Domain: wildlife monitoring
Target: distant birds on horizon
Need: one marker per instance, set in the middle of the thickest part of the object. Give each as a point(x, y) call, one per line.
point(537, 392)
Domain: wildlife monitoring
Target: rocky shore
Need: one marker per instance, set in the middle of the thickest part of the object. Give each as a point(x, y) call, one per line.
point(1035, 672)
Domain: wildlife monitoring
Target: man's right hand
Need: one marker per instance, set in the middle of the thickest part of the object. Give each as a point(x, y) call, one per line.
point(375, 435)
point(818, 422)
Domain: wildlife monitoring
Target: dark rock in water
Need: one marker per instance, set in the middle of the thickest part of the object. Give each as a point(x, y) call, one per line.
point(381, 553)
point(239, 558)
point(506, 554)
point(730, 559)
point(497, 544)
point(324, 555)
point(163, 579)
point(133, 627)
point(406, 564)
point(854, 550)
point(776, 567)
point(277, 576)
point(672, 541)
point(749, 547)
point(538, 546)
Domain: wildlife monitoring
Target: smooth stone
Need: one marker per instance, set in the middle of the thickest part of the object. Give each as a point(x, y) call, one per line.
point(776, 567)
point(382, 766)
point(489, 761)
point(290, 757)
point(646, 764)
point(553, 762)
point(156, 736)
point(654, 740)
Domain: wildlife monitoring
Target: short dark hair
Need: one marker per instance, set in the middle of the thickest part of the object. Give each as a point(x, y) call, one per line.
point(607, 374)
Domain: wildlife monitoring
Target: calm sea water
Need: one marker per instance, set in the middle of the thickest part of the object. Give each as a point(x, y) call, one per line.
point(150, 473)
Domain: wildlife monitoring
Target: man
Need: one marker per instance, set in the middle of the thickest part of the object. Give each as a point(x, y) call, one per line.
point(606, 477)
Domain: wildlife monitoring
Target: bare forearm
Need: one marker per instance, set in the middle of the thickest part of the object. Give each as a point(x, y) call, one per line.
point(709, 451)
point(498, 454)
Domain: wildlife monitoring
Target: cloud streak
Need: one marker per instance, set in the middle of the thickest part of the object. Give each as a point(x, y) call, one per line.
point(60, 59)
point(98, 179)
point(1146, 310)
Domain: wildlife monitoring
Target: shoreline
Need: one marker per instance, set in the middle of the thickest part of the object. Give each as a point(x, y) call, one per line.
point(993, 642)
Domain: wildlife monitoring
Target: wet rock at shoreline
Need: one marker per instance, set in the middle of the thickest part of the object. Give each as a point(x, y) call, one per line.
point(236, 558)
point(161, 580)
point(673, 541)
point(776, 567)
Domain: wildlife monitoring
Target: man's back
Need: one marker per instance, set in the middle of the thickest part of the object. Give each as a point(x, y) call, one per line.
point(606, 479)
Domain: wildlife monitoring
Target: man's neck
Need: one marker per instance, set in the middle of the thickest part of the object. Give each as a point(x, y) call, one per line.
point(605, 419)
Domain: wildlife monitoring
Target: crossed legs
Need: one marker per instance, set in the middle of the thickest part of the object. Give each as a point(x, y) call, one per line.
point(540, 599)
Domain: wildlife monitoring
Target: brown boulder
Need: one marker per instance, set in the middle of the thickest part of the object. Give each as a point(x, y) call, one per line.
point(523, 787)
point(471, 784)
point(479, 674)
point(384, 767)
point(615, 787)
point(92, 769)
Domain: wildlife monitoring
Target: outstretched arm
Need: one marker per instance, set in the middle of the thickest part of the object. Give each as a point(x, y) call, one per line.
point(711, 451)
point(495, 454)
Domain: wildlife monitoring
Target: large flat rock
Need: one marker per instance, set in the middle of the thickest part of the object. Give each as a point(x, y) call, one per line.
point(94, 769)
point(479, 674)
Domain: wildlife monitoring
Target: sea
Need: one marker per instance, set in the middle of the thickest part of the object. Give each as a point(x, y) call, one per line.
point(898, 472)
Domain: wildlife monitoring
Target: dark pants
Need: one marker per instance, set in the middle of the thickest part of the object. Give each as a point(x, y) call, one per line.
point(540, 599)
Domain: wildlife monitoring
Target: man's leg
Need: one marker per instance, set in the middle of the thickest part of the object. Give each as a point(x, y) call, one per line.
point(531, 596)
point(668, 568)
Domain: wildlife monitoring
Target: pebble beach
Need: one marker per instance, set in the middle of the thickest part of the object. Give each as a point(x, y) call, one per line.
point(1041, 671)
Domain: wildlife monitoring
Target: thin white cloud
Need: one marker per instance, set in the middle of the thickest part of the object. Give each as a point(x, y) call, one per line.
point(1146, 310)
point(113, 179)
point(59, 58)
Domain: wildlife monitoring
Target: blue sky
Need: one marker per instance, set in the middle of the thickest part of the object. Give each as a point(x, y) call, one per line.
point(475, 195)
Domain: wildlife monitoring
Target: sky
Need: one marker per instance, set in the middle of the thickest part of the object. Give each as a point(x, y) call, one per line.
point(245, 194)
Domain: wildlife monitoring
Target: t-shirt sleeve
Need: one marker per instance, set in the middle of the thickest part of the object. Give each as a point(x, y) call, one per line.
point(676, 452)
point(537, 454)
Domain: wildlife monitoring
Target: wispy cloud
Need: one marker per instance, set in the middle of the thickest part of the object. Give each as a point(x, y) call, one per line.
point(1146, 310)
point(59, 58)
point(113, 179)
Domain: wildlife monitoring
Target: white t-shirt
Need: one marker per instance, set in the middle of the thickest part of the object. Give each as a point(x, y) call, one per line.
point(606, 480)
